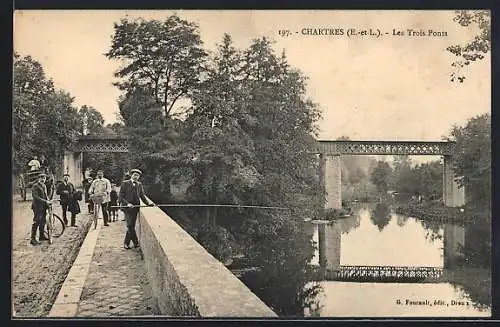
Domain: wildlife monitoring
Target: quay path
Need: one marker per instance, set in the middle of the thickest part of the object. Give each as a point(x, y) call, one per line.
point(105, 280)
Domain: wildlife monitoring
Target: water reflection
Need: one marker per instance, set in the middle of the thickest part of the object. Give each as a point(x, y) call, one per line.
point(379, 241)
point(381, 215)
point(375, 236)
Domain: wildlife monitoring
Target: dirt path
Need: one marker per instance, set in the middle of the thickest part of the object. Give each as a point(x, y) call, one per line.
point(39, 271)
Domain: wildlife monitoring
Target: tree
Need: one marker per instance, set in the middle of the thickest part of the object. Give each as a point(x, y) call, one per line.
point(31, 90)
point(163, 58)
point(152, 141)
point(380, 177)
point(250, 130)
point(93, 118)
point(475, 49)
point(44, 119)
point(473, 158)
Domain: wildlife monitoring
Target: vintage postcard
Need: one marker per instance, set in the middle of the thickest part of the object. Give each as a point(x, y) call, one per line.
point(251, 163)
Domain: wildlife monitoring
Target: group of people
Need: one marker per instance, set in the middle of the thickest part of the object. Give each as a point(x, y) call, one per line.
point(130, 194)
point(41, 201)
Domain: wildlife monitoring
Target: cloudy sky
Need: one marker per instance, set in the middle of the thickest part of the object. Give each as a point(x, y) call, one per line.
point(369, 88)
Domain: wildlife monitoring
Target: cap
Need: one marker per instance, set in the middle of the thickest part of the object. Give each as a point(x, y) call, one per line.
point(65, 174)
point(42, 175)
point(135, 171)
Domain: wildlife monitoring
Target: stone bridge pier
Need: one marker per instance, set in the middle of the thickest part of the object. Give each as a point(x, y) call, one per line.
point(329, 237)
point(453, 194)
point(330, 177)
point(72, 164)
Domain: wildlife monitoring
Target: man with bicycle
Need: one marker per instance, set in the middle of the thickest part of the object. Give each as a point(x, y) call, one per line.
point(101, 186)
point(39, 205)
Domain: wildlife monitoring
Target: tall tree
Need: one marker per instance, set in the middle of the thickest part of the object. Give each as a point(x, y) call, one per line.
point(473, 158)
point(380, 177)
point(45, 121)
point(93, 118)
point(251, 130)
point(475, 49)
point(162, 57)
point(31, 89)
point(152, 140)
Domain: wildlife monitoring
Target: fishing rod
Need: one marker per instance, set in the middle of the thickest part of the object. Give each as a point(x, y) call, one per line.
point(204, 205)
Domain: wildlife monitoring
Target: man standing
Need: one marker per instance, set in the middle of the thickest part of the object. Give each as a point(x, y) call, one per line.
point(102, 186)
point(66, 192)
point(131, 191)
point(39, 205)
point(86, 186)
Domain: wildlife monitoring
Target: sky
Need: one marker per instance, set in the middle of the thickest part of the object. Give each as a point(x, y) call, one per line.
point(368, 88)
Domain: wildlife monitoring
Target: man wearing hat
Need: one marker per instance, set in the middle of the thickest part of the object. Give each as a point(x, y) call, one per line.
point(101, 185)
point(39, 205)
point(66, 192)
point(131, 192)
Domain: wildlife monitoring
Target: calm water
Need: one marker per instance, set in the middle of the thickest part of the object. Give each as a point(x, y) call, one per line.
point(376, 236)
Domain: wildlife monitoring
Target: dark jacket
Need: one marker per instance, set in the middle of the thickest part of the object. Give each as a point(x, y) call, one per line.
point(39, 197)
point(131, 194)
point(74, 206)
point(114, 197)
point(66, 192)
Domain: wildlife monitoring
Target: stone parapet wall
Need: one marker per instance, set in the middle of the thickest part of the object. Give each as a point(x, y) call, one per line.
point(187, 280)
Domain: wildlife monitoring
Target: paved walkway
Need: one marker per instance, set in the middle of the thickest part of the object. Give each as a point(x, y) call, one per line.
point(39, 271)
point(106, 280)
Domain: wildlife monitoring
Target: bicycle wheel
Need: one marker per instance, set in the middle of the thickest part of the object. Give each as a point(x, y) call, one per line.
point(58, 226)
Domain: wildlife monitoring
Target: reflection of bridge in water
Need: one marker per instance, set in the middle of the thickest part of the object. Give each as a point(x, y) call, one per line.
point(330, 268)
point(383, 273)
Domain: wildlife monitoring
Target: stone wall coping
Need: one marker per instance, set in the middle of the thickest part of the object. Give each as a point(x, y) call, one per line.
point(215, 291)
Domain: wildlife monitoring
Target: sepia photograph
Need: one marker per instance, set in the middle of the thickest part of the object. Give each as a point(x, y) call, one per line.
point(301, 164)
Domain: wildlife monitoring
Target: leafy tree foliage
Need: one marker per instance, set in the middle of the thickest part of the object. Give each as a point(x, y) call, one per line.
point(251, 130)
point(380, 177)
point(476, 48)
point(44, 120)
point(246, 140)
point(473, 157)
point(424, 179)
point(163, 58)
point(152, 141)
point(94, 119)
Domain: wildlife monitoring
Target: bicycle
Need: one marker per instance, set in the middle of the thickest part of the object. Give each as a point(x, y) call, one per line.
point(54, 225)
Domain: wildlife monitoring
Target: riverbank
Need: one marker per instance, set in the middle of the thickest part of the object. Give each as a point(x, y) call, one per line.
point(434, 212)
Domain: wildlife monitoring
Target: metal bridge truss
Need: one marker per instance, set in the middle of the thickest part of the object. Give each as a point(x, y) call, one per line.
point(385, 147)
point(102, 144)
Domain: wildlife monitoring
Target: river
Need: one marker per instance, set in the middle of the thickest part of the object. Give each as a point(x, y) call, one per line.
point(375, 236)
